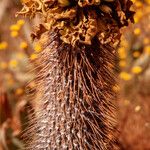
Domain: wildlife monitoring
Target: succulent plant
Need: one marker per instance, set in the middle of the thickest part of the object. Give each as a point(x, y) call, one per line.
point(75, 76)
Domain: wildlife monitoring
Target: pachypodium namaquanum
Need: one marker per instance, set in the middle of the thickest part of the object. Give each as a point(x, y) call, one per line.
point(75, 75)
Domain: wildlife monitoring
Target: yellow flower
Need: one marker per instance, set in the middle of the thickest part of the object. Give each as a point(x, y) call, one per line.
point(13, 63)
point(137, 31)
point(147, 49)
point(14, 27)
point(122, 63)
point(33, 56)
point(3, 45)
point(124, 43)
point(138, 16)
point(20, 22)
point(23, 45)
point(3, 65)
point(125, 76)
point(122, 53)
point(14, 34)
point(19, 91)
point(136, 54)
point(136, 70)
point(139, 13)
point(37, 47)
point(136, 19)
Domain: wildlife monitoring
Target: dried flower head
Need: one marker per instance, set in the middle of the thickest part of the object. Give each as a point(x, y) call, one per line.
point(79, 21)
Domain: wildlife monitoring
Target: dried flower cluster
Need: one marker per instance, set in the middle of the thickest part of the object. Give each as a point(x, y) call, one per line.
point(81, 20)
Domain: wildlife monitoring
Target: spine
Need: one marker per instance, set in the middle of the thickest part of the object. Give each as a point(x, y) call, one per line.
point(75, 111)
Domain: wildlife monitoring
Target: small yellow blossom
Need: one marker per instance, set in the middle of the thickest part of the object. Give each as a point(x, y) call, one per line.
point(136, 54)
point(3, 65)
point(137, 31)
point(14, 34)
point(136, 70)
point(13, 63)
point(3, 45)
point(124, 43)
point(14, 27)
point(122, 53)
point(20, 22)
point(116, 88)
point(37, 47)
point(122, 63)
point(33, 56)
point(137, 108)
point(125, 76)
point(139, 13)
point(136, 19)
point(147, 49)
point(138, 16)
point(19, 91)
point(23, 45)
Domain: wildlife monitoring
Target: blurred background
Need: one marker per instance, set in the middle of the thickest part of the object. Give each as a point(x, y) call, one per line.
point(17, 53)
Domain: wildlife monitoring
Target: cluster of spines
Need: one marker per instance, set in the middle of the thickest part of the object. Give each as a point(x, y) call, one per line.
point(75, 111)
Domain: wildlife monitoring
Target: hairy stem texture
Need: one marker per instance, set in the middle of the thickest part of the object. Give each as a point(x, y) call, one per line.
point(75, 110)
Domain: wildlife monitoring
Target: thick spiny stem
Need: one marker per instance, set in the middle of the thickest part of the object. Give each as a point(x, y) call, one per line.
point(75, 76)
point(75, 109)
